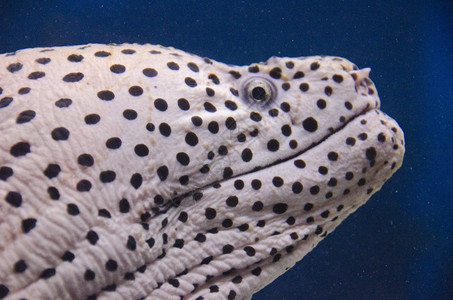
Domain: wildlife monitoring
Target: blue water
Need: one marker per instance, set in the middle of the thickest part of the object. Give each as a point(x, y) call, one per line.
point(400, 244)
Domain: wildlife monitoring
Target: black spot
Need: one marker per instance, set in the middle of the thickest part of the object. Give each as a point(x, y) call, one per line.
point(183, 104)
point(113, 143)
point(209, 107)
point(73, 77)
point(4, 102)
point(64, 102)
point(325, 214)
point(124, 206)
point(286, 86)
point(200, 238)
point(68, 256)
point(131, 243)
point(308, 206)
point(24, 91)
point(314, 66)
point(5, 173)
point(85, 160)
point(60, 134)
point(75, 58)
point(273, 145)
point(135, 91)
point(28, 225)
point(249, 250)
point(227, 172)
point(165, 129)
point(350, 141)
point(213, 127)
point(117, 69)
point(227, 223)
point(14, 199)
point(14, 67)
point(235, 74)
point(310, 124)
point(285, 107)
point(323, 170)
point(304, 86)
point(256, 184)
point(280, 208)
point(89, 275)
point(328, 90)
point(111, 265)
point(130, 114)
point(104, 213)
point(286, 130)
point(25, 116)
point(20, 149)
point(297, 187)
point(254, 116)
point(231, 105)
point(53, 192)
point(92, 119)
point(47, 273)
point(193, 67)
point(20, 266)
point(254, 69)
point(234, 92)
point(299, 74)
point(160, 104)
point(191, 139)
point(128, 51)
point(371, 154)
point(190, 82)
point(210, 213)
point(183, 158)
point(107, 176)
point(277, 181)
point(276, 73)
point(39, 74)
point(222, 150)
point(333, 156)
point(83, 185)
point(257, 206)
point(232, 201)
point(363, 136)
point(52, 171)
point(106, 95)
point(150, 127)
point(92, 237)
point(196, 120)
point(43, 60)
point(337, 78)
point(72, 209)
point(237, 279)
point(149, 72)
point(314, 190)
point(162, 172)
point(246, 155)
point(102, 54)
point(136, 180)
point(214, 78)
point(173, 66)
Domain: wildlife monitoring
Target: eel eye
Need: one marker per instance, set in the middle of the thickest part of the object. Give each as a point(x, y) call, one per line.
point(259, 90)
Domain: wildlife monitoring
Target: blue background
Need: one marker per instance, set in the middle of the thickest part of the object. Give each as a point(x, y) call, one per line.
point(400, 244)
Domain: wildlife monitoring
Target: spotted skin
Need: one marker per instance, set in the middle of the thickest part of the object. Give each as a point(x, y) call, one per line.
point(144, 172)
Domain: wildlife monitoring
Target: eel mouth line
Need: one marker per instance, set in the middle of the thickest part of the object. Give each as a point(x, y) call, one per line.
point(176, 201)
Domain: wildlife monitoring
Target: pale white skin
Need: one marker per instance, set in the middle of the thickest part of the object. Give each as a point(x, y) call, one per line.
point(179, 231)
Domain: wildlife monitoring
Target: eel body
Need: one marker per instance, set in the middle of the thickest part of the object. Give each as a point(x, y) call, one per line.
point(145, 172)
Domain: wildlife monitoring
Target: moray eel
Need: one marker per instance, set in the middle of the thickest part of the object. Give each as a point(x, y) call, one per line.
point(144, 172)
